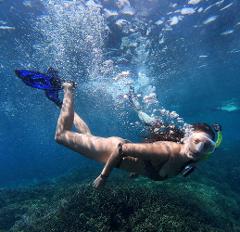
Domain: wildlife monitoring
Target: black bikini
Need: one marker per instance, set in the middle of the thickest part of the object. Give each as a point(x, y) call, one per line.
point(151, 171)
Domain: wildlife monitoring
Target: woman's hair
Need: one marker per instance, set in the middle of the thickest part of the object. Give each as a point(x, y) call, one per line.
point(174, 134)
point(204, 127)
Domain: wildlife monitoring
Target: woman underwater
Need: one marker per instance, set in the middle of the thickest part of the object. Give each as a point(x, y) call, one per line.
point(157, 160)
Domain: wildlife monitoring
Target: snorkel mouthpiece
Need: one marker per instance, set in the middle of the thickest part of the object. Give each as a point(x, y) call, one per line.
point(188, 170)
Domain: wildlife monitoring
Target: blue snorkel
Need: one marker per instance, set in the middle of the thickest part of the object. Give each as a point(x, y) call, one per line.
point(188, 169)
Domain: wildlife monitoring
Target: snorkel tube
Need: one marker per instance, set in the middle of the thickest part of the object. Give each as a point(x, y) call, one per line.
point(218, 129)
point(219, 139)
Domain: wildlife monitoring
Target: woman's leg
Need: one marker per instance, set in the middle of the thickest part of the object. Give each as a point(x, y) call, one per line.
point(80, 125)
point(92, 147)
point(66, 117)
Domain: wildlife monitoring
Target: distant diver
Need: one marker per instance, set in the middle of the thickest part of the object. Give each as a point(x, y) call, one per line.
point(229, 107)
point(157, 160)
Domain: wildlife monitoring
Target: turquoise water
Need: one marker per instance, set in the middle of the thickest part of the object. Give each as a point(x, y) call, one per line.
point(182, 57)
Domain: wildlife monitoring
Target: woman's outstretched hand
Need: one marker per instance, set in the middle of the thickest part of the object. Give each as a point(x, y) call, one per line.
point(99, 182)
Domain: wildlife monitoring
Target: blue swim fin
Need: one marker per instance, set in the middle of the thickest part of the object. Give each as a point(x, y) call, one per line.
point(50, 82)
point(52, 72)
point(52, 95)
point(40, 80)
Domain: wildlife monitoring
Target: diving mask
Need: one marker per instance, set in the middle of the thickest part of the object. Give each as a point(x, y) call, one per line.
point(217, 144)
point(188, 169)
point(206, 145)
point(200, 142)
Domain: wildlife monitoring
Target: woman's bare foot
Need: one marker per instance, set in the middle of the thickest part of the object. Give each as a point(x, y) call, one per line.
point(68, 85)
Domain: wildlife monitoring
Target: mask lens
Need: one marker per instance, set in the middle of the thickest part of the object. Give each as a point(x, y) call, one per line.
point(199, 147)
point(204, 144)
point(209, 145)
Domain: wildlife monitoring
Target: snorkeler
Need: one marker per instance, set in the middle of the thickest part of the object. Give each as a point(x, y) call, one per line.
point(159, 131)
point(157, 160)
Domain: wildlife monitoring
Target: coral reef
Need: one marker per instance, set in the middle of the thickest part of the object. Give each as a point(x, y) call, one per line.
point(71, 204)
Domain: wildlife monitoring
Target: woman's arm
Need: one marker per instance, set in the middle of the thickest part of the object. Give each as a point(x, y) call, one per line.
point(160, 151)
point(151, 151)
point(113, 160)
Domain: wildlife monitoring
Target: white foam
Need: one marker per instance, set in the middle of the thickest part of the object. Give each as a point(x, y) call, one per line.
point(174, 114)
point(219, 3)
point(187, 11)
point(174, 20)
point(7, 28)
point(235, 51)
point(162, 40)
point(226, 7)
point(209, 7)
point(167, 28)
point(203, 66)
point(91, 3)
point(122, 75)
point(173, 5)
point(110, 13)
point(228, 32)
point(143, 80)
point(3, 22)
point(150, 99)
point(194, 2)
point(121, 3)
point(159, 22)
point(74, 37)
point(125, 7)
point(203, 56)
point(210, 19)
point(148, 31)
point(121, 22)
point(27, 3)
point(128, 10)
